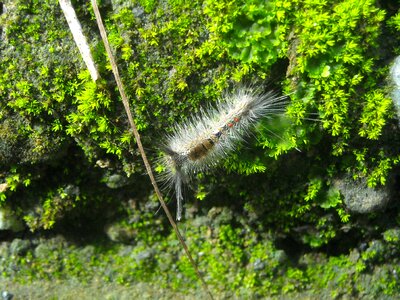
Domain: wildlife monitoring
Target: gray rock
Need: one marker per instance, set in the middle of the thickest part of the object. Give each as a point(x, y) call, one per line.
point(5, 295)
point(360, 198)
point(144, 255)
point(9, 221)
point(280, 256)
point(71, 190)
point(4, 251)
point(258, 265)
point(392, 235)
point(125, 251)
point(19, 247)
point(201, 221)
point(115, 181)
point(120, 233)
point(87, 252)
point(375, 251)
point(220, 215)
point(48, 247)
point(43, 251)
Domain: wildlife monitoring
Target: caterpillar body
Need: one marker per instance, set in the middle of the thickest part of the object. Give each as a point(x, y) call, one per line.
point(205, 139)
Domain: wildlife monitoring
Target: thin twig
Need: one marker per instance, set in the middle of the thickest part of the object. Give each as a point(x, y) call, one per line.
point(139, 144)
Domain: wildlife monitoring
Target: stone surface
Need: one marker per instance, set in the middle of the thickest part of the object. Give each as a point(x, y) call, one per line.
point(9, 221)
point(360, 198)
point(119, 233)
point(19, 247)
point(5, 295)
point(43, 251)
point(115, 181)
point(144, 255)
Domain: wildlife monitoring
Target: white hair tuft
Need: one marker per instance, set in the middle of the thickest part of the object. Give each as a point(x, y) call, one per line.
point(205, 139)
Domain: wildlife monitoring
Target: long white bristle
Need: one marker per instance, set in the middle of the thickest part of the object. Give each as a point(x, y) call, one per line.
point(205, 139)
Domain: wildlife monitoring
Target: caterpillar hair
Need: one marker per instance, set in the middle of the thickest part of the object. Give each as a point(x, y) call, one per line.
point(205, 139)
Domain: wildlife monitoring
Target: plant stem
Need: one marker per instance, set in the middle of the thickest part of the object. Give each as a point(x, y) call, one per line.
point(140, 146)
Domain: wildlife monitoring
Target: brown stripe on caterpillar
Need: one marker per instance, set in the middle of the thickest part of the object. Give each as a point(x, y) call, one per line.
point(201, 149)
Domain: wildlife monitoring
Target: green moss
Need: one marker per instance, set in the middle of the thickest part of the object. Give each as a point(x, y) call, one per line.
point(249, 31)
point(237, 261)
point(392, 236)
point(176, 57)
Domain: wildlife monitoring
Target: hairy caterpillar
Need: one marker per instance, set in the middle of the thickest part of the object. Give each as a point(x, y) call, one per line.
point(204, 140)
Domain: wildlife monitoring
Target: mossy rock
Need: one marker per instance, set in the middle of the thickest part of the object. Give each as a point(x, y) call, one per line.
point(270, 203)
